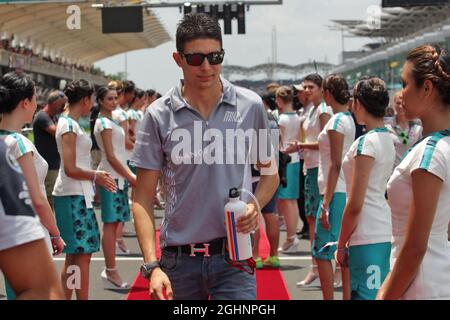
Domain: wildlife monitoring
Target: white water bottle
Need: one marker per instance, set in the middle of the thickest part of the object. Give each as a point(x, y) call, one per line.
point(239, 244)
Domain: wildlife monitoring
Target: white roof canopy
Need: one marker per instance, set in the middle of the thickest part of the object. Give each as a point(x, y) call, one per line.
point(44, 27)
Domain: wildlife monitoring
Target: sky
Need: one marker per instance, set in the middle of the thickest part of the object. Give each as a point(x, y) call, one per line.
point(302, 36)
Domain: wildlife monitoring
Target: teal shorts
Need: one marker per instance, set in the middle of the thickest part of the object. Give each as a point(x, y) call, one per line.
point(312, 194)
point(115, 206)
point(369, 265)
point(323, 236)
point(77, 225)
point(292, 190)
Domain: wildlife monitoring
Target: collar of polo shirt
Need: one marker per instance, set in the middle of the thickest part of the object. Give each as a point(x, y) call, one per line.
point(229, 95)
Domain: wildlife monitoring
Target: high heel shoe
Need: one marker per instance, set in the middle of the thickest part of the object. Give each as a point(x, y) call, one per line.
point(110, 284)
point(337, 282)
point(312, 278)
point(121, 248)
point(290, 245)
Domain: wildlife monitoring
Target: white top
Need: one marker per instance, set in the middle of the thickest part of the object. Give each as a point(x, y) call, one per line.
point(132, 114)
point(433, 155)
point(374, 224)
point(118, 142)
point(64, 185)
point(120, 115)
point(311, 127)
point(302, 113)
point(290, 121)
point(402, 144)
point(18, 146)
point(140, 117)
point(18, 222)
point(343, 123)
point(275, 114)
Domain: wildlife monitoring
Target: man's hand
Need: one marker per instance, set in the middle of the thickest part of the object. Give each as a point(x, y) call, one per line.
point(158, 282)
point(249, 221)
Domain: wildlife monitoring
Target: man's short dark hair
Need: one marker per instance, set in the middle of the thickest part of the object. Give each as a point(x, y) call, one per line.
point(314, 78)
point(197, 26)
point(54, 96)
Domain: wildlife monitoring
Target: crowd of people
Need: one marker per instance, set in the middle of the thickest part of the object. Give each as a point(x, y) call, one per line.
point(371, 190)
point(9, 45)
point(59, 169)
point(364, 198)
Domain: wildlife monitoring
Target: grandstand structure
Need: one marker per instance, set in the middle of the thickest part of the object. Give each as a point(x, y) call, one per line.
point(35, 38)
point(399, 31)
point(270, 70)
point(258, 77)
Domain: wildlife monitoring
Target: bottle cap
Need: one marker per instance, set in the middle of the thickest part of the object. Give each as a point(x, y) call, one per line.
point(234, 193)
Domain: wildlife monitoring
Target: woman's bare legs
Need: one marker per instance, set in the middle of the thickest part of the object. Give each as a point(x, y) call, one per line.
point(76, 278)
point(289, 209)
point(109, 249)
point(326, 275)
point(37, 280)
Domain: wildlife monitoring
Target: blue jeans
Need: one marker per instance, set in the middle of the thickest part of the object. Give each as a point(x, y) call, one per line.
point(200, 278)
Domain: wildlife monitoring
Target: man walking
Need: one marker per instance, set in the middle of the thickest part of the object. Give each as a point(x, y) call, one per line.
point(44, 129)
point(183, 134)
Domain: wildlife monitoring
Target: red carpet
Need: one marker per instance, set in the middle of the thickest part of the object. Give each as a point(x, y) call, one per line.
point(270, 284)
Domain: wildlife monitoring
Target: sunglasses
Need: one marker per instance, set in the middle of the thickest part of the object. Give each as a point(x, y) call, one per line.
point(196, 59)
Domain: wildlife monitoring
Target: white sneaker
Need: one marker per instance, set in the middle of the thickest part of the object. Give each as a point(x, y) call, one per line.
point(290, 248)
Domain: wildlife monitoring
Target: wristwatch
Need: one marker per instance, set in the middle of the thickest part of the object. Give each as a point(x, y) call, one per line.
point(147, 268)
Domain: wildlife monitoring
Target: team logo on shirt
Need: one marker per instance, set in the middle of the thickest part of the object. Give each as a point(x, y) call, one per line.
point(232, 116)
